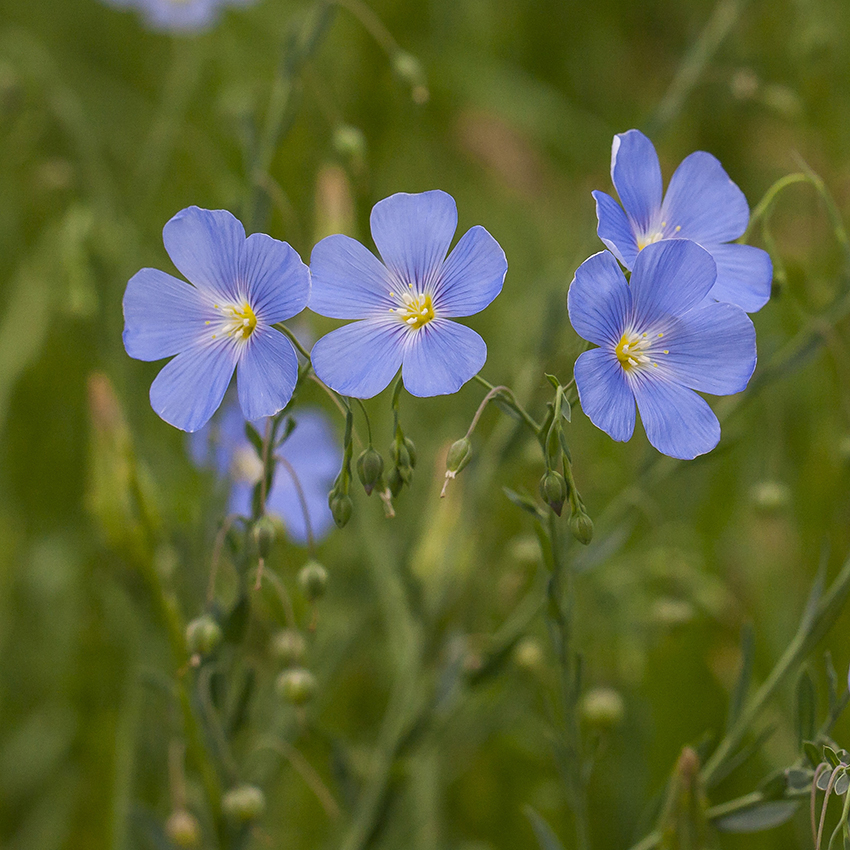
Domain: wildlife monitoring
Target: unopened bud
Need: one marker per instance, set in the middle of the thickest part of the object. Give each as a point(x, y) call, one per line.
point(262, 536)
point(395, 482)
point(341, 507)
point(771, 496)
point(243, 803)
point(403, 454)
point(289, 646)
point(528, 655)
point(349, 141)
point(459, 455)
point(603, 707)
point(411, 452)
point(313, 580)
point(370, 468)
point(581, 525)
point(203, 635)
point(296, 685)
point(409, 69)
point(553, 489)
point(183, 829)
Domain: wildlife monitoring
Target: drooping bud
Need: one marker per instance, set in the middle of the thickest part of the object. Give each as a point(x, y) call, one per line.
point(370, 468)
point(289, 646)
point(341, 507)
point(296, 685)
point(458, 457)
point(553, 489)
point(581, 525)
point(395, 482)
point(183, 829)
point(313, 580)
point(203, 635)
point(262, 536)
point(403, 458)
point(243, 803)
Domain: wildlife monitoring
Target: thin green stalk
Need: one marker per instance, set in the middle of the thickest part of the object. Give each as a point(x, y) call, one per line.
point(510, 399)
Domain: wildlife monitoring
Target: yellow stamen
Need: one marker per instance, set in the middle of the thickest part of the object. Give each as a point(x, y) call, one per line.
point(416, 310)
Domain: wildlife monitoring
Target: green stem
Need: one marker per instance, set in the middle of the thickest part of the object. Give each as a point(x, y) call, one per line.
point(366, 417)
point(510, 399)
point(294, 340)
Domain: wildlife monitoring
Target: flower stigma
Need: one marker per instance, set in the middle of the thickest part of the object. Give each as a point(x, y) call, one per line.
point(634, 350)
point(416, 308)
point(238, 322)
point(657, 235)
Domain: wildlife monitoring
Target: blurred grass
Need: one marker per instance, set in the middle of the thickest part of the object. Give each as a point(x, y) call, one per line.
point(106, 130)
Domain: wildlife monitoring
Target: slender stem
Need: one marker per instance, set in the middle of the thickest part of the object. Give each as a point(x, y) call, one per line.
point(485, 401)
point(763, 206)
point(294, 340)
point(510, 399)
point(366, 417)
point(302, 501)
point(216, 555)
point(371, 23)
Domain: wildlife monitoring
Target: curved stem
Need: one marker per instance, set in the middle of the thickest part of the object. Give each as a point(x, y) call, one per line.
point(510, 399)
point(294, 340)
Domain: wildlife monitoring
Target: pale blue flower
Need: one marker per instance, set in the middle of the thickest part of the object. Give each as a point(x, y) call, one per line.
point(307, 463)
point(405, 304)
point(659, 340)
point(221, 323)
point(179, 16)
point(701, 204)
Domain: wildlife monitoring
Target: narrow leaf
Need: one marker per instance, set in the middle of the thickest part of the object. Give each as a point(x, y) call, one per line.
point(553, 381)
point(812, 753)
point(805, 708)
point(521, 500)
point(758, 818)
point(254, 438)
point(742, 688)
point(546, 838)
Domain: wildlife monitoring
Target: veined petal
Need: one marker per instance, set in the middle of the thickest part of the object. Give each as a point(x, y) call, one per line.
point(441, 357)
point(348, 281)
point(189, 389)
point(678, 422)
point(277, 283)
point(702, 203)
point(711, 349)
point(599, 300)
point(360, 359)
point(206, 246)
point(605, 396)
point(744, 276)
point(413, 234)
point(670, 278)
point(472, 275)
point(267, 372)
point(636, 174)
point(163, 315)
point(614, 229)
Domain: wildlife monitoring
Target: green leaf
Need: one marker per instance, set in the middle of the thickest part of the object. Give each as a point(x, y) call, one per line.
point(813, 602)
point(553, 381)
point(799, 779)
point(236, 622)
point(546, 838)
point(254, 438)
point(812, 753)
point(832, 680)
point(805, 708)
point(831, 756)
point(773, 786)
point(566, 409)
point(742, 688)
point(758, 818)
point(522, 500)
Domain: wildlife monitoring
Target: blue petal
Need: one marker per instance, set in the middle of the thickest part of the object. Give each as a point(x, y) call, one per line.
point(472, 276)
point(744, 276)
point(604, 394)
point(614, 229)
point(266, 374)
point(637, 178)
point(669, 278)
point(442, 356)
point(163, 315)
point(277, 282)
point(206, 246)
point(712, 349)
point(190, 388)
point(702, 203)
point(599, 300)
point(360, 359)
point(348, 281)
point(413, 234)
point(677, 421)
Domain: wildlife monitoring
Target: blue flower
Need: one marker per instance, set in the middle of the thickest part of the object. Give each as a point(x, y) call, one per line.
point(307, 464)
point(659, 339)
point(182, 16)
point(701, 204)
point(222, 323)
point(406, 303)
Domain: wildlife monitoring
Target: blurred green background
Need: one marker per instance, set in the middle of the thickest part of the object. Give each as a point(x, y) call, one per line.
point(107, 129)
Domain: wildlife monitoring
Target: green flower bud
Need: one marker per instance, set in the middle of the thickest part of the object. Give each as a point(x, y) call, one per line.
point(395, 482)
point(243, 803)
point(581, 525)
point(313, 580)
point(341, 507)
point(771, 496)
point(296, 685)
point(528, 655)
point(459, 456)
point(553, 489)
point(183, 829)
point(403, 458)
point(203, 635)
point(289, 646)
point(370, 468)
point(603, 707)
point(262, 536)
point(349, 141)
point(411, 452)
point(409, 69)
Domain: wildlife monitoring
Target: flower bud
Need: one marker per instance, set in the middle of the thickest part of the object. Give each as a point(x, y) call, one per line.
point(349, 141)
point(411, 452)
point(203, 635)
point(528, 655)
point(403, 454)
point(581, 525)
point(183, 829)
point(313, 580)
point(243, 803)
point(603, 707)
point(409, 69)
point(289, 646)
point(341, 507)
point(370, 468)
point(296, 685)
point(553, 489)
point(395, 482)
point(262, 536)
point(459, 456)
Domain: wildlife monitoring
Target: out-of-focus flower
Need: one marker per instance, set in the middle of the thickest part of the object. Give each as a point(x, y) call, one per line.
point(222, 323)
point(659, 339)
point(406, 303)
point(180, 16)
point(701, 204)
point(308, 461)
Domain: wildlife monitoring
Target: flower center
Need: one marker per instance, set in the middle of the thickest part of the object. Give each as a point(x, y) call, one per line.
point(635, 350)
point(657, 235)
point(237, 322)
point(415, 308)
